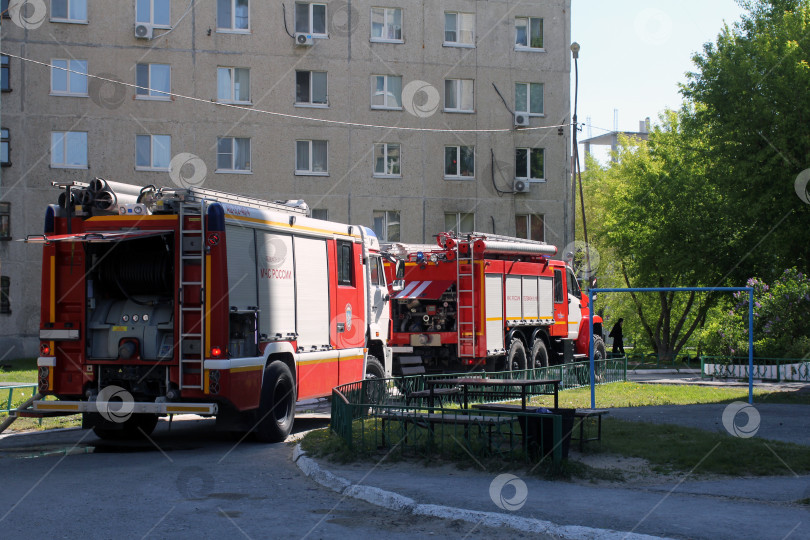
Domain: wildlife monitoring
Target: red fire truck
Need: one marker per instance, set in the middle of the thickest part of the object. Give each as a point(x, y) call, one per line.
point(484, 301)
point(170, 301)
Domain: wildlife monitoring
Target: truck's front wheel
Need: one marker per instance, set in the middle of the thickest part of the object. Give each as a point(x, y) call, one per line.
point(277, 405)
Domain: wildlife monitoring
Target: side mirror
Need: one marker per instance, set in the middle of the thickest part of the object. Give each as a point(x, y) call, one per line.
point(398, 285)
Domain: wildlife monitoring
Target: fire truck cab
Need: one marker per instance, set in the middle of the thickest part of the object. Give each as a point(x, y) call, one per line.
point(169, 301)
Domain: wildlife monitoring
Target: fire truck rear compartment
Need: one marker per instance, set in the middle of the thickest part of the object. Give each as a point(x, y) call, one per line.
point(130, 300)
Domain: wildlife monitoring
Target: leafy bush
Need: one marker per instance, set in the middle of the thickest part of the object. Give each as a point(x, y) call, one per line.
point(781, 320)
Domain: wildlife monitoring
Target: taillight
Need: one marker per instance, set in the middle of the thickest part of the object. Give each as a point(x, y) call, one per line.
point(44, 349)
point(216, 352)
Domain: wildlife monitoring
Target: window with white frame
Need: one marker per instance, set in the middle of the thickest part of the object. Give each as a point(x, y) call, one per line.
point(386, 92)
point(69, 77)
point(458, 95)
point(386, 24)
point(529, 98)
point(233, 15)
point(530, 227)
point(530, 164)
point(233, 154)
point(459, 29)
point(320, 213)
point(310, 18)
point(233, 85)
point(154, 12)
point(74, 11)
point(387, 160)
point(459, 162)
point(310, 88)
point(386, 225)
point(311, 157)
point(69, 149)
point(153, 81)
point(529, 33)
point(153, 152)
point(459, 222)
point(5, 152)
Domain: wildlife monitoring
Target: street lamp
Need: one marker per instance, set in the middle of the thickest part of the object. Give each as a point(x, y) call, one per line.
point(576, 173)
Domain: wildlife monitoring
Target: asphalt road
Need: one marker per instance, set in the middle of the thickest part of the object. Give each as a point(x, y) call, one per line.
point(188, 483)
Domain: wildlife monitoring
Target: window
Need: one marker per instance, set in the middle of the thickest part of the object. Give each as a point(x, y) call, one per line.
point(530, 227)
point(310, 157)
point(69, 77)
point(69, 149)
point(153, 81)
point(529, 163)
point(154, 12)
point(4, 9)
point(310, 88)
point(310, 18)
point(233, 154)
point(5, 158)
point(529, 33)
point(376, 272)
point(5, 72)
point(5, 295)
point(345, 263)
point(573, 284)
point(529, 98)
point(386, 160)
point(233, 15)
point(5, 221)
point(458, 95)
point(153, 152)
point(559, 292)
point(386, 24)
point(459, 29)
point(459, 222)
point(459, 162)
point(320, 213)
point(74, 11)
point(386, 92)
point(233, 85)
point(386, 225)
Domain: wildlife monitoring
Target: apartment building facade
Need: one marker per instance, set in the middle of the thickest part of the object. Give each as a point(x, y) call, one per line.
point(397, 114)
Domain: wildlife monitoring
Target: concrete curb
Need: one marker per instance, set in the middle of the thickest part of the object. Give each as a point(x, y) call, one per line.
point(399, 503)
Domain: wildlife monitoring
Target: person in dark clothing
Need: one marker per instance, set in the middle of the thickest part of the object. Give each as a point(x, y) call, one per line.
point(618, 338)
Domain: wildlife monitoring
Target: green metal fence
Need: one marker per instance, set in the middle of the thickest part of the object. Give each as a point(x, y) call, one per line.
point(774, 369)
point(7, 404)
point(379, 415)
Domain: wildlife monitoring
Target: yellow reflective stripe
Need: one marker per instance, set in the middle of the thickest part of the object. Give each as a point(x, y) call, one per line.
point(246, 368)
point(186, 408)
point(56, 406)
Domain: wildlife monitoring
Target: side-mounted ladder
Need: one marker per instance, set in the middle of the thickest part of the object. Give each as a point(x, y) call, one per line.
point(465, 304)
point(191, 342)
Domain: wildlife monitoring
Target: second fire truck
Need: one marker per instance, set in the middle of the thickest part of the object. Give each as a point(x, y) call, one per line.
point(482, 301)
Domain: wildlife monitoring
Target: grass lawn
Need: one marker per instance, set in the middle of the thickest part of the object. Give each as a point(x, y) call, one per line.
point(629, 394)
point(25, 372)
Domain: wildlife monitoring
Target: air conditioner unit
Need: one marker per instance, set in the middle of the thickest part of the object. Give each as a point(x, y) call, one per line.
point(521, 186)
point(521, 120)
point(304, 40)
point(143, 31)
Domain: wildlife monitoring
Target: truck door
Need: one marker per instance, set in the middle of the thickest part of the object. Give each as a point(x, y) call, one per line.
point(574, 304)
point(380, 313)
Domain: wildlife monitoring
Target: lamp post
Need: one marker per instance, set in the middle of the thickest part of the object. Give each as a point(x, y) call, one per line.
point(576, 171)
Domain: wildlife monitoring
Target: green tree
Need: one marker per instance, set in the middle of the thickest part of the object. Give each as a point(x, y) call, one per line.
point(751, 91)
point(654, 219)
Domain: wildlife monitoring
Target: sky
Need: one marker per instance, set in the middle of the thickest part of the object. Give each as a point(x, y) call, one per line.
point(635, 52)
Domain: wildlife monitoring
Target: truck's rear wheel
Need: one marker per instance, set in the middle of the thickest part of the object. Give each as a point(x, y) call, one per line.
point(599, 349)
point(539, 354)
point(277, 404)
point(516, 357)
